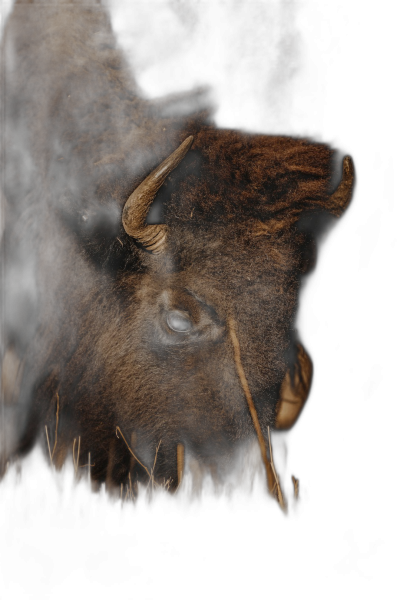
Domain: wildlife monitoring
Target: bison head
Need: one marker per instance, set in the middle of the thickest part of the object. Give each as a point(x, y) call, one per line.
point(147, 346)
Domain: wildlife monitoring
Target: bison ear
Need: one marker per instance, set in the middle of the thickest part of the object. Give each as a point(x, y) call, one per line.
point(339, 200)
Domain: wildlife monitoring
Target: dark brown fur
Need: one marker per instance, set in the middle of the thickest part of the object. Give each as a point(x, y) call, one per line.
point(90, 327)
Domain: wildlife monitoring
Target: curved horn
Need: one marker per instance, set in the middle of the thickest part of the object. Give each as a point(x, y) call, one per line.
point(138, 204)
point(340, 198)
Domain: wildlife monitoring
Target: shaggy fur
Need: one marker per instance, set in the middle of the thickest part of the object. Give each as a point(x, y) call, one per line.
point(87, 306)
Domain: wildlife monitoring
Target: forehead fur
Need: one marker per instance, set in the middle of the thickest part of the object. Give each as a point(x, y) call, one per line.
point(231, 176)
point(228, 178)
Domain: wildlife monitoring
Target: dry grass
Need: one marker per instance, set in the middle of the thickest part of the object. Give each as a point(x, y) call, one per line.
point(187, 489)
point(274, 487)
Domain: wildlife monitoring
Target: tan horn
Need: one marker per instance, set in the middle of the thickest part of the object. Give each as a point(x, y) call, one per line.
point(138, 204)
point(340, 198)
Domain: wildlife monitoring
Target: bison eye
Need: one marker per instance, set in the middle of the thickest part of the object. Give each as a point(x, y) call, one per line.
point(179, 322)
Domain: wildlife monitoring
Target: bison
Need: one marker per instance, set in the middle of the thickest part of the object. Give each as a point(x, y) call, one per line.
point(151, 262)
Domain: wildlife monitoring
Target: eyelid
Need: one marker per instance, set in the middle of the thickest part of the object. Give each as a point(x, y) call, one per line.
point(205, 306)
point(180, 313)
point(196, 297)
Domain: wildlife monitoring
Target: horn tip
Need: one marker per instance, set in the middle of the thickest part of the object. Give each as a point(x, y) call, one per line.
point(349, 174)
point(188, 141)
point(348, 166)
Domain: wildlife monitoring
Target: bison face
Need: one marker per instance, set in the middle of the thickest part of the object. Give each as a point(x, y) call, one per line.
point(187, 339)
point(176, 379)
